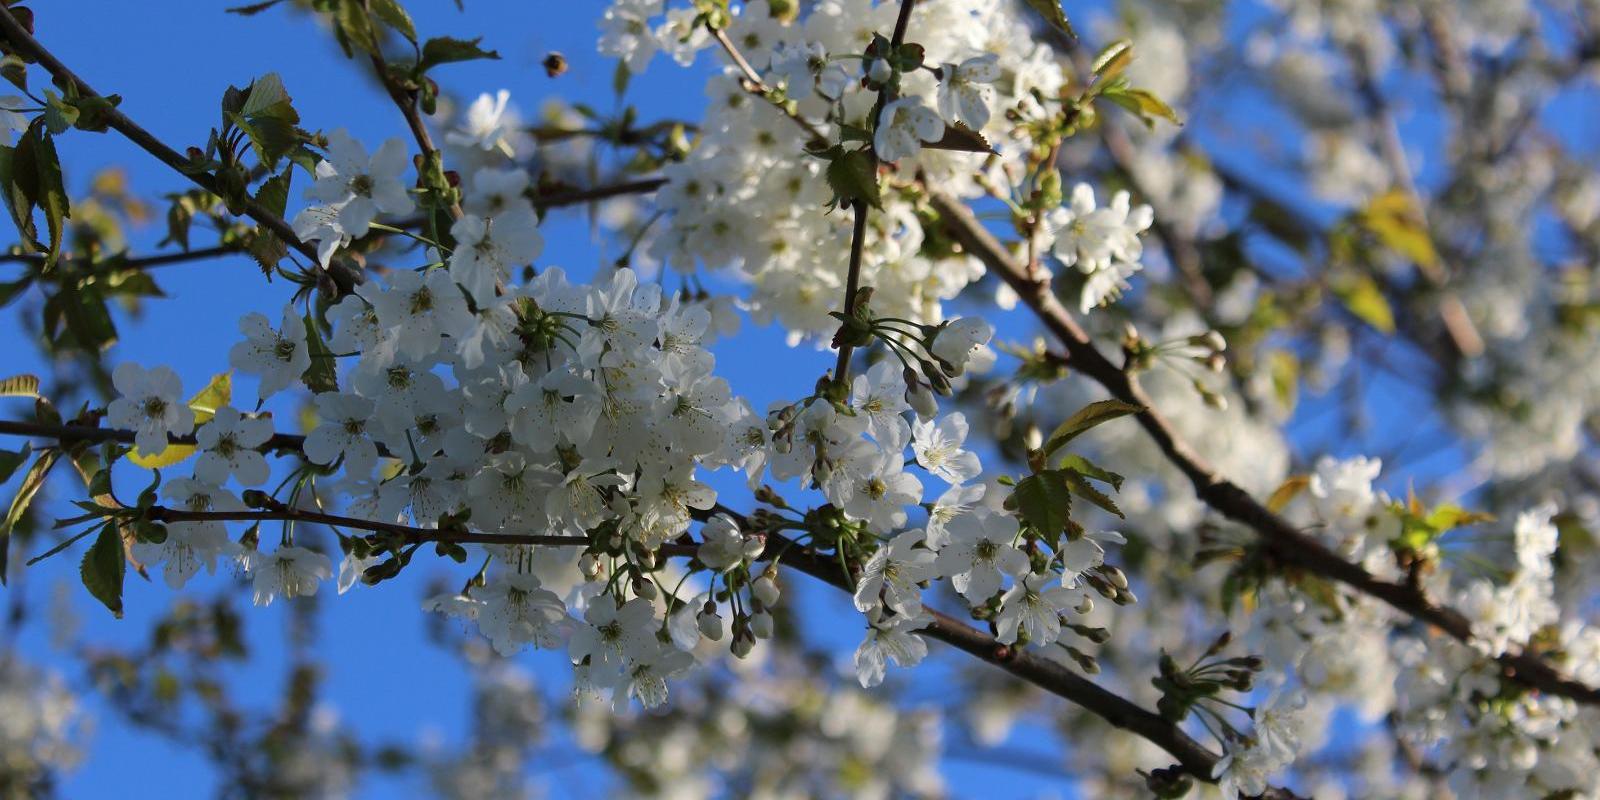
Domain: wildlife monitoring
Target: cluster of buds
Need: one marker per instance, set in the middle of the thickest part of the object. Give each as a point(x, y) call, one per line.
point(1111, 583)
point(883, 62)
point(1193, 688)
point(1208, 350)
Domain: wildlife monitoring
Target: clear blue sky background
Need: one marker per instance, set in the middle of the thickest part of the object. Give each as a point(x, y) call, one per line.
point(171, 60)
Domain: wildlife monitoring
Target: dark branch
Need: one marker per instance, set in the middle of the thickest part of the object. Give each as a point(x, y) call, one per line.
point(1283, 541)
point(1042, 672)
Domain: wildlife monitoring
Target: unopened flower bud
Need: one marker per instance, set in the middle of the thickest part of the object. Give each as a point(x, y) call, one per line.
point(761, 625)
point(645, 589)
point(710, 625)
point(880, 71)
point(765, 590)
point(1033, 438)
point(921, 400)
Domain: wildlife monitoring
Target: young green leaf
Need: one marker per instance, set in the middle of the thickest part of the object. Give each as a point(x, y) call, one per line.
point(19, 504)
point(52, 197)
point(322, 375)
point(1044, 501)
point(1073, 462)
point(103, 568)
point(853, 175)
point(444, 50)
point(1086, 490)
point(961, 138)
point(1053, 14)
point(9, 461)
point(391, 13)
point(1113, 60)
point(1085, 419)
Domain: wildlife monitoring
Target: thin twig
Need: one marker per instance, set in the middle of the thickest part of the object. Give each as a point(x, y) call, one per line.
point(27, 46)
point(858, 234)
point(1033, 668)
point(754, 85)
point(406, 101)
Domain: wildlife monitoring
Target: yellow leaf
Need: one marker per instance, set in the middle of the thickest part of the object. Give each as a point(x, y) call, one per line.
point(1283, 495)
point(1363, 298)
point(1285, 371)
point(204, 404)
point(1398, 223)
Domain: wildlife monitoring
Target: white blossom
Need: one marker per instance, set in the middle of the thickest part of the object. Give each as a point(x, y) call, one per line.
point(150, 403)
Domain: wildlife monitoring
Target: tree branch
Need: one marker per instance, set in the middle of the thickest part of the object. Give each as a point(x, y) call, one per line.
point(1120, 712)
point(1286, 543)
point(411, 535)
point(407, 103)
point(117, 262)
point(858, 234)
point(754, 85)
point(1046, 674)
point(26, 45)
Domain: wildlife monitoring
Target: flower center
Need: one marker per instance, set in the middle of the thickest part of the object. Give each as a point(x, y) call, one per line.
point(283, 350)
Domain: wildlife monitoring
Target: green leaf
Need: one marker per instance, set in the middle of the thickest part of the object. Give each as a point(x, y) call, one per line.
point(1044, 501)
point(83, 311)
point(58, 116)
point(445, 50)
point(52, 196)
point(103, 568)
point(268, 117)
point(1084, 489)
point(961, 138)
point(321, 376)
point(853, 175)
point(620, 78)
point(19, 182)
point(204, 404)
point(94, 112)
point(1113, 59)
point(1085, 419)
point(1073, 462)
point(10, 290)
point(19, 504)
point(253, 8)
point(1448, 516)
point(391, 13)
point(1053, 14)
point(273, 194)
point(1362, 297)
point(355, 29)
point(9, 461)
point(15, 70)
point(1142, 102)
point(267, 97)
point(20, 386)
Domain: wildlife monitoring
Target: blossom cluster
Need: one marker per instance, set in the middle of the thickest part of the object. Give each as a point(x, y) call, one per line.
point(1490, 736)
point(749, 196)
